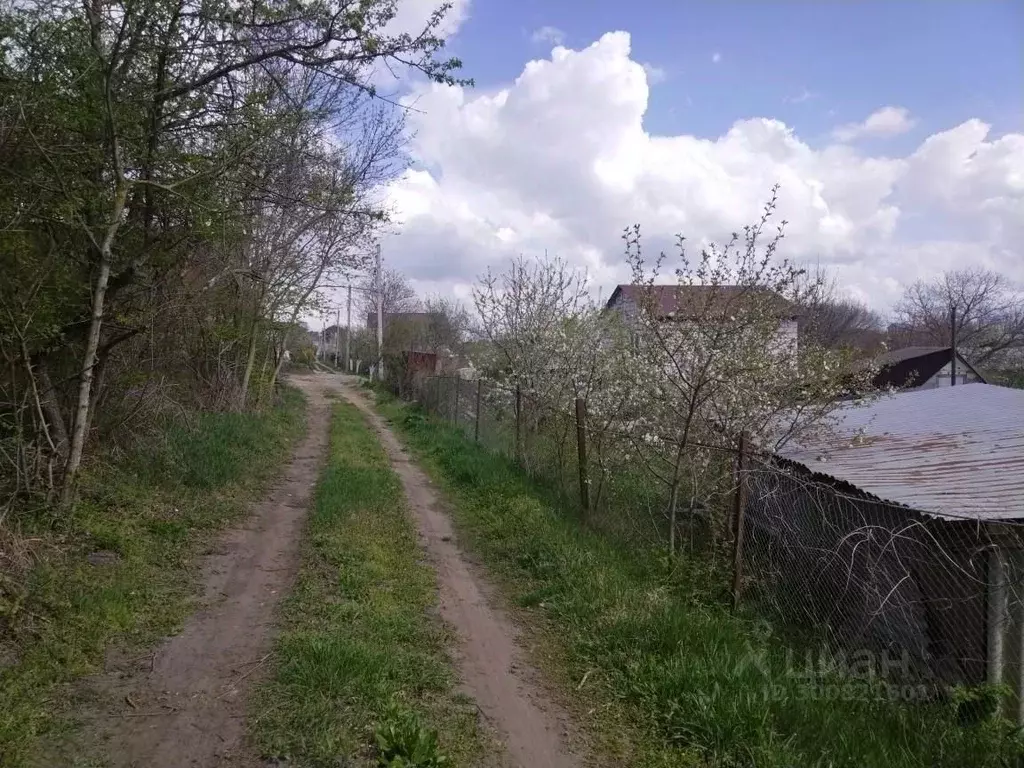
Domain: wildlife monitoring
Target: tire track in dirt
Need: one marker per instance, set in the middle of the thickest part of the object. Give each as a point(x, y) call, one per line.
point(186, 707)
point(533, 728)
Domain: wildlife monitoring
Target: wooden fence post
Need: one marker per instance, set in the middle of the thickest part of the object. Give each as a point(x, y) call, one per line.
point(581, 452)
point(519, 410)
point(476, 425)
point(458, 388)
point(738, 515)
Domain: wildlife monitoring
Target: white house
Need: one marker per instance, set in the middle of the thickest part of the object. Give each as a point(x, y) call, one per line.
point(680, 303)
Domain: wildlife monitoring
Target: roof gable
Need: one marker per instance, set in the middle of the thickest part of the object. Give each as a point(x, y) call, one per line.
point(913, 366)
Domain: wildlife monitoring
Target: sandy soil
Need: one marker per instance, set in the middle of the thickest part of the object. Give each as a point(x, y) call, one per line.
point(184, 707)
point(533, 728)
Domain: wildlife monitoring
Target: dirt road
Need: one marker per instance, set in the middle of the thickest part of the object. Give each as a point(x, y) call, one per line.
point(186, 708)
point(532, 727)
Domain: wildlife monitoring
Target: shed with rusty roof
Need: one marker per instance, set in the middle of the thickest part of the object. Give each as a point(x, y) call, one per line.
point(900, 530)
point(952, 452)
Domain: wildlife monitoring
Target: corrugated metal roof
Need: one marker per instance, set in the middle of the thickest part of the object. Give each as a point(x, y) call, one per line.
point(955, 452)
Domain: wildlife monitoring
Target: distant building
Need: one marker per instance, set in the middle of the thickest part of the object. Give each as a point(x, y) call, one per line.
point(329, 340)
point(923, 368)
point(681, 303)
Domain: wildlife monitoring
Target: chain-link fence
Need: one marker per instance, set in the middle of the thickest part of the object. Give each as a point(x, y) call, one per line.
point(547, 443)
point(878, 579)
point(870, 585)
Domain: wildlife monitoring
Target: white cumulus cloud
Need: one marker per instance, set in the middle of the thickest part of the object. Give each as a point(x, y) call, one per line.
point(559, 160)
point(887, 121)
point(548, 35)
point(655, 74)
point(411, 16)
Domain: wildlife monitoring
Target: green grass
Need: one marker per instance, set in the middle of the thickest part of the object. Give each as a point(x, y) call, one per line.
point(153, 511)
point(361, 674)
point(657, 667)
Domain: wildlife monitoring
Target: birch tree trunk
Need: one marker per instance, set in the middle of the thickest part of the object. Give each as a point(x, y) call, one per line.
point(249, 362)
point(280, 359)
point(81, 416)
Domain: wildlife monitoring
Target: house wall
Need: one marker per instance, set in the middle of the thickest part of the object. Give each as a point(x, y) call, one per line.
point(787, 337)
point(627, 307)
point(964, 375)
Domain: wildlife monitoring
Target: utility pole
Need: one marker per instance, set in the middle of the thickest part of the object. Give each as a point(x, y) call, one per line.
point(348, 332)
point(380, 318)
point(323, 335)
point(952, 356)
point(337, 341)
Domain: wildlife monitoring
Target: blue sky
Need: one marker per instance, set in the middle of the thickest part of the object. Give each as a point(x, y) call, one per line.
point(943, 60)
point(896, 131)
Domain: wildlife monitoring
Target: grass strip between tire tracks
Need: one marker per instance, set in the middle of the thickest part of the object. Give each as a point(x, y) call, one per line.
point(361, 673)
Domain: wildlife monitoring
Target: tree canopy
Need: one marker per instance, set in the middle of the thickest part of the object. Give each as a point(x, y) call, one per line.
point(179, 179)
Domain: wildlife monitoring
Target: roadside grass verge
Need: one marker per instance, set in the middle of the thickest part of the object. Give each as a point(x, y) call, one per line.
point(361, 674)
point(119, 568)
point(660, 671)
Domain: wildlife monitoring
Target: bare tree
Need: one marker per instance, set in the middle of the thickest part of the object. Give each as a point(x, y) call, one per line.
point(829, 318)
point(447, 324)
point(397, 295)
point(990, 314)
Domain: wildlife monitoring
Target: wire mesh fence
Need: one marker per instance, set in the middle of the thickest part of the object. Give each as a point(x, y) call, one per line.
point(871, 587)
point(547, 442)
point(875, 578)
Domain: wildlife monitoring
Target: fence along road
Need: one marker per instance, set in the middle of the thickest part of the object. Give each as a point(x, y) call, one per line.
point(916, 598)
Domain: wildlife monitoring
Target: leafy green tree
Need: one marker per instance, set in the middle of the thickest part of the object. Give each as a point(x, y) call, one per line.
point(179, 176)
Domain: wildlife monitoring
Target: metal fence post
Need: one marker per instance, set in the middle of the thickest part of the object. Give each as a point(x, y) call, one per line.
point(738, 513)
point(476, 425)
point(581, 452)
point(996, 619)
point(519, 410)
point(458, 389)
